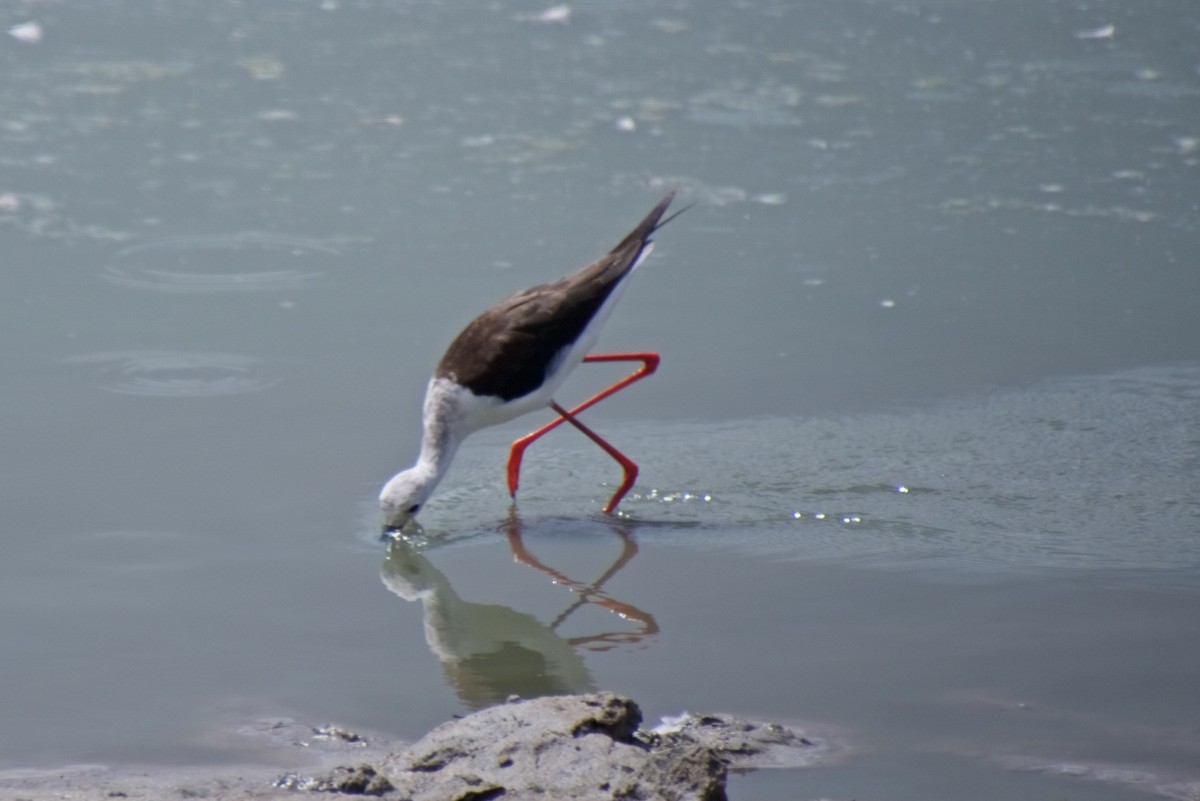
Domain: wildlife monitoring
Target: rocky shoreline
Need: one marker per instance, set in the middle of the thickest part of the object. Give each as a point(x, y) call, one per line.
point(579, 747)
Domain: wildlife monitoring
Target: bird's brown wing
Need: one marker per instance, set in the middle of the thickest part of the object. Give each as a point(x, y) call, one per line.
point(526, 331)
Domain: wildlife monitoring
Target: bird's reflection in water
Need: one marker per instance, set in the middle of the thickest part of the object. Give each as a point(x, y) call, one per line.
point(591, 593)
point(490, 651)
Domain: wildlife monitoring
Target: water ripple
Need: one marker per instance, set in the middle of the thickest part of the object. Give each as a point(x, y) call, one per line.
point(242, 262)
point(174, 374)
point(1083, 473)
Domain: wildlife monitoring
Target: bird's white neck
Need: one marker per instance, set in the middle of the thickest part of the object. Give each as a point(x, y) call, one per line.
point(444, 431)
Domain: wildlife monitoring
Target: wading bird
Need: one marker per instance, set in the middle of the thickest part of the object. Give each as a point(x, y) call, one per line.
point(511, 359)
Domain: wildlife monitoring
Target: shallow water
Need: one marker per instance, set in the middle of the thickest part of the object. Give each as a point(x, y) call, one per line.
point(918, 468)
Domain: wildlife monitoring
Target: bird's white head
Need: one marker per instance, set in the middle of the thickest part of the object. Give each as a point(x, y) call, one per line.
point(403, 496)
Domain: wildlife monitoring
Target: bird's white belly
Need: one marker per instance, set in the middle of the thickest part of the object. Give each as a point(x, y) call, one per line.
point(489, 410)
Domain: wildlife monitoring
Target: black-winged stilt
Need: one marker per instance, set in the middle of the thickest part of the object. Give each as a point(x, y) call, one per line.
point(511, 359)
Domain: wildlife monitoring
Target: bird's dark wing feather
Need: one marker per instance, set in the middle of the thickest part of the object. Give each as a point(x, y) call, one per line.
point(526, 331)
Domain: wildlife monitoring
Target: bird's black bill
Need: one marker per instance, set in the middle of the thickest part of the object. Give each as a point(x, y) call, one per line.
point(409, 530)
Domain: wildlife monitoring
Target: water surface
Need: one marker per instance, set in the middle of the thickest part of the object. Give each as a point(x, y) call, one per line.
point(918, 468)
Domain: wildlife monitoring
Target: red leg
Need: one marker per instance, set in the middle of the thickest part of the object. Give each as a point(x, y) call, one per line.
point(631, 469)
point(649, 365)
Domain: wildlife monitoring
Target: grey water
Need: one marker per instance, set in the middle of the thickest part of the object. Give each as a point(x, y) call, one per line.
point(919, 469)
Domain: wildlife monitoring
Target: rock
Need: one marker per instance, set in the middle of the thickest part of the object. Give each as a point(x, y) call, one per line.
point(745, 744)
point(576, 748)
point(361, 780)
point(582, 747)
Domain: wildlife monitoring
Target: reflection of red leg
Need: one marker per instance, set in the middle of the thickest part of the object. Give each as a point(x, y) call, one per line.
point(593, 593)
point(649, 365)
